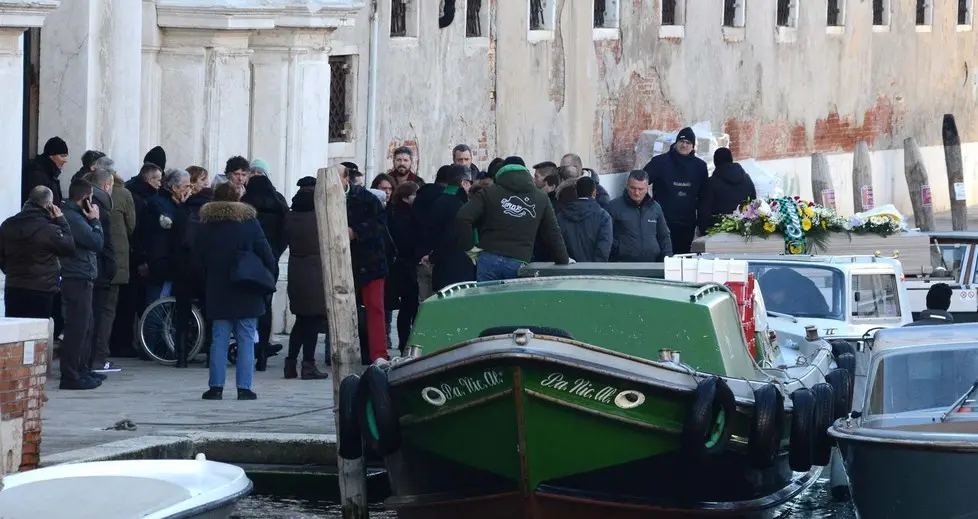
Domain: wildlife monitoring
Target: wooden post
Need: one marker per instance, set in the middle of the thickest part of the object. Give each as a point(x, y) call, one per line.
point(862, 179)
point(955, 173)
point(341, 311)
point(822, 191)
point(917, 185)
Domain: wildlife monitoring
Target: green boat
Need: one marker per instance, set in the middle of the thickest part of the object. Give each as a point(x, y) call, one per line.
point(594, 396)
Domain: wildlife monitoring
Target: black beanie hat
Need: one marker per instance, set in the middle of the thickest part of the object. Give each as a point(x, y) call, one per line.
point(722, 156)
point(939, 297)
point(306, 182)
point(687, 134)
point(156, 156)
point(55, 146)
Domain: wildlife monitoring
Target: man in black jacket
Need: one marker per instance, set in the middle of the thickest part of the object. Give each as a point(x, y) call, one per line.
point(105, 295)
point(641, 232)
point(727, 189)
point(31, 242)
point(585, 226)
point(679, 182)
point(938, 301)
point(450, 264)
point(424, 200)
point(45, 169)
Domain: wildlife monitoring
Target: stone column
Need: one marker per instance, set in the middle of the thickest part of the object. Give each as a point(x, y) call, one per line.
point(91, 60)
point(15, 18)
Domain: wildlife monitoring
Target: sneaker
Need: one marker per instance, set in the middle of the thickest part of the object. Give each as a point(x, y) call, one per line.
point(107, 367)
point(81, 383)
point(97, 376)
point(214, 393)
point(246, 394)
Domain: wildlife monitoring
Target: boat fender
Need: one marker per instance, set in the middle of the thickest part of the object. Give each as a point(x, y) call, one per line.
point(847, 361)
point(802, 430)
point(351, 442)
point(840, 346)
point(535, 330)
point(378, 420)
point(838, 378)
point(706, 428)
point(766, 428)
point(824, 416)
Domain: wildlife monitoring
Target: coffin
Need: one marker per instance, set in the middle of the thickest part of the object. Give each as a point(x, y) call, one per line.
point(913, 247)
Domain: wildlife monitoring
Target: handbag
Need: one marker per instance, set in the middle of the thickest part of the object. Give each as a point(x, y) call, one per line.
point(250, 273)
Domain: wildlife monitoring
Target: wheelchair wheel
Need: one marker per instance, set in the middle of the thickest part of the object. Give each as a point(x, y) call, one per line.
point(158, 334)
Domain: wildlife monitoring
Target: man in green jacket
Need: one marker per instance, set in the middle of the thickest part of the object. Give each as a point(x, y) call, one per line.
point(509, 214)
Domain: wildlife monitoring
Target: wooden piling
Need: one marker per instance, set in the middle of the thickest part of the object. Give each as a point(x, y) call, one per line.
point(822, 191)
point(341, 311)
point(918, 186)
point(955, 173)
point(862, 179)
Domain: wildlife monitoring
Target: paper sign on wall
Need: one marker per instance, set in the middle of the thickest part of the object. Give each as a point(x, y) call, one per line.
point(959, 193)
point(828, 198)
point(925, 197)
point(866, 193)
point(28, 352)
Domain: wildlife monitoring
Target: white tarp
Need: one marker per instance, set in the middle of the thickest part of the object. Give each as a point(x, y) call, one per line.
point(657, 142)
point(767, 184)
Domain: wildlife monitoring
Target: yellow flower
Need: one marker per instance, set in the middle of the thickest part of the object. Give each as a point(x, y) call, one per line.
point(809, 213)
point(806, 224)
point(769, 227)
point(794, 249)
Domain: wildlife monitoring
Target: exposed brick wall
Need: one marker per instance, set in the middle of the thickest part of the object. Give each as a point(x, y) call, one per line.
point(21, 398)
point(639, 106)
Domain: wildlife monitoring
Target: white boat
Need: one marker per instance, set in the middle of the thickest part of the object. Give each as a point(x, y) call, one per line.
point(144, 489)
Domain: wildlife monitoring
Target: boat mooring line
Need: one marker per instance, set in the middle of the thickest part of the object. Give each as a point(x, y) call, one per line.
point(130, 425)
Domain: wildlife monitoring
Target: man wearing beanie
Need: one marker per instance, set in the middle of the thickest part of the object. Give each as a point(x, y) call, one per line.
point(45, 169)
point(679, 179)
point(938, 301)
point(511, 211)
point(728, 188)
point(156, 156)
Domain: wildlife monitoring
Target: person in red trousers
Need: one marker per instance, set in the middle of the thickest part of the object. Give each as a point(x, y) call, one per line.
point(365, 216)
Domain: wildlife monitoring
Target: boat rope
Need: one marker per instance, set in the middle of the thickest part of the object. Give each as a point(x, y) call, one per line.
point(130, 425)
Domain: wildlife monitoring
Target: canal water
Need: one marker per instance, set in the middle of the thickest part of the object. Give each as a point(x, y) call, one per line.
point(816, 503)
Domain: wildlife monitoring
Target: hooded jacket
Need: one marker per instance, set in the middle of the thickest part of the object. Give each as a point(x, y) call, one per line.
point(305, 287)
point(641, 232)
point(678, 183)
point(421, 211)
point(89, 240)
point(587, 230)
point(728, 188)
point(30, 244)
point(272, 208)
point(508, 215)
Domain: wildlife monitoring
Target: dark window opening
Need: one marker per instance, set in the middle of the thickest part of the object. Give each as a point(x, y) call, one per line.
point(669, 12)
point(339, 116)
point(473, 19)
point(963, 12)
point(398, 18)
point(784, 13)
point(878, 12)
point(536, 15)
point(599, 6)
point(921, 12)
point(729, 13)
point(834, 14)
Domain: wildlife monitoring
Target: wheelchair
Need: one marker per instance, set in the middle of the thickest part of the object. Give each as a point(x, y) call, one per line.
point(158, 333)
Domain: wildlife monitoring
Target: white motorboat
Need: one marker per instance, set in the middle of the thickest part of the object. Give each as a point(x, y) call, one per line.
point(144, 489)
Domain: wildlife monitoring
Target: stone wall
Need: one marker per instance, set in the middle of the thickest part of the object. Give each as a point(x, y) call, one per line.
point(23, 371)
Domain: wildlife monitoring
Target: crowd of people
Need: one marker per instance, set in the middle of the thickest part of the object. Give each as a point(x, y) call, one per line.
point(93, 261)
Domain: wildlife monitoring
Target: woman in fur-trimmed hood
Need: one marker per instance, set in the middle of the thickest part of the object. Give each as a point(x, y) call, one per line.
point(227, 227)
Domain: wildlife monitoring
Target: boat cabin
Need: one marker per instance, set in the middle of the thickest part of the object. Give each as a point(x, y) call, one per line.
point(953, 260)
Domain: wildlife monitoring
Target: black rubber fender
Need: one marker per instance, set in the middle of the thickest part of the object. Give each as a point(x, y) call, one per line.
point(802, 429)
point(840, 346)
point(351, 441)
point(824, 416)
point(839, 379)
point(536, 330)
point(379, 425)
point(766, 428)
point(847, 361)
point(707, 425)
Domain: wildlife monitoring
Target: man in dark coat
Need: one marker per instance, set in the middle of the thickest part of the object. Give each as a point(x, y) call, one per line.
point(679, 182)
point(727, 189)
point(159, 242)
point(132, 297)
point(450, 264)
point(585, 226)
point(365, 216)
point(31, 242)
point(421, 211)
point(938, 302)
point(510, 213)
point(641, 232)
point(104, 294)
point(45, 169)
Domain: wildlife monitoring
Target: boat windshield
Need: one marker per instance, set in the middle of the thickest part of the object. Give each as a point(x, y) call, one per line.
point(875, 296)
point(924, 380)
point(801, 290)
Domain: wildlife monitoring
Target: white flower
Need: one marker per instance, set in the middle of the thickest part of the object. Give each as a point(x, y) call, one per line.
point(764, 209)
point(165, 221)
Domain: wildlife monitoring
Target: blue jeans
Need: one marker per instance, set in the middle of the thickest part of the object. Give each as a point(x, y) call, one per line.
point(245, 333)
point(493, 267)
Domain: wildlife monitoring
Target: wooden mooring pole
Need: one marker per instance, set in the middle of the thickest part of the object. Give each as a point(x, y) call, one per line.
point(341, 311)
point(917, 186)
point(955, 173)
point(822, 191)
point(862, 179)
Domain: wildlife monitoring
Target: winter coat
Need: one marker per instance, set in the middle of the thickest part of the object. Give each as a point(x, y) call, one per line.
point(30, 244)
point(402, 228)
point(641, 232)
point(41, 172)
point(931, 317)
point(89, 240)
point(141, 194)
point(421, 210)
point(226, 228)
point(508, 215)
point(727, 189)
point(450, 264)
point(272, 208)
point(159, 242)
point(106, 257)
point(123, 225)
point(185, 228)
point(365, 215)
point(678, 185)
point(410, 177)
point(307, 296)
point(587, 231)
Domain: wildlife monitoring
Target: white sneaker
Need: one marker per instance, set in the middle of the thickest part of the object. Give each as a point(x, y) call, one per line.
point(108, 367)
